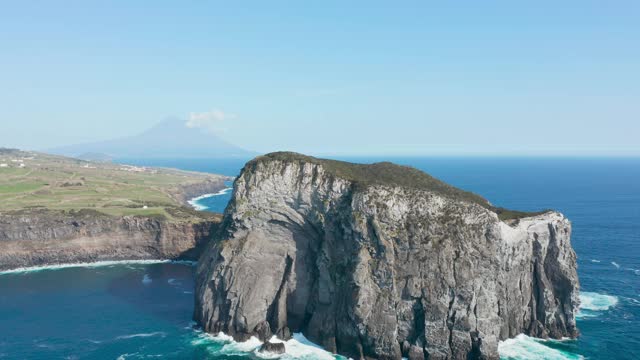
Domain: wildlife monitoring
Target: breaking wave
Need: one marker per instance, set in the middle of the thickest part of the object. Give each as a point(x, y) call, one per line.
point(523, 347)
point(94, 264)
point(142, 335)
point(591, 303)
point(298, 347)
point(195, 201)
point(635, 271)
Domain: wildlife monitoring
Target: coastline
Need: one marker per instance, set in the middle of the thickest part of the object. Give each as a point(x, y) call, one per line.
point(52, 238)
point(194, 201)
point(183, 194)
point(30, 269)
point(42, 238)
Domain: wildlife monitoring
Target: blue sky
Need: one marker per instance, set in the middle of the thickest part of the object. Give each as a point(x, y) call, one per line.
point(416, 78)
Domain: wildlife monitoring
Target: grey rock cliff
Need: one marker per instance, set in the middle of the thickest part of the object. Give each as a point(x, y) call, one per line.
point(36, 238)
point(380, 270)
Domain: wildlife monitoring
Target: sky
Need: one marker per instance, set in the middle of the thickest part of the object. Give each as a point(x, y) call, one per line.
point(470, 78)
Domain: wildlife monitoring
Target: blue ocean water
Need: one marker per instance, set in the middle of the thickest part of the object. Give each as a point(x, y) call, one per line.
point(113, 312)
point(213, 202)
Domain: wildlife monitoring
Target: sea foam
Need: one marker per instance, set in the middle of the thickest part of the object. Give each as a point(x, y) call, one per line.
point(95, 264)
point(142, 335)
point(298, 347)
point(523, 347)
point(596, 302)
point(591, 303)
point(194, 202)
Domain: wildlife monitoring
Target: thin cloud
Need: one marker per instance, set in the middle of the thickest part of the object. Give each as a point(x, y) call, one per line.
point(209, 120)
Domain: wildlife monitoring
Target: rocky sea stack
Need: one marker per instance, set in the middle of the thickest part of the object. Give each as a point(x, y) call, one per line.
point(382, 261)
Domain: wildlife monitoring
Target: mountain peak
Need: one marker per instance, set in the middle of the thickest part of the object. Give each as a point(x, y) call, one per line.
point(170, 138)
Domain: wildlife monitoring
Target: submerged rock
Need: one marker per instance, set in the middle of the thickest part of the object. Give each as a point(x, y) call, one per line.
point(382, 261)
point(272, 348)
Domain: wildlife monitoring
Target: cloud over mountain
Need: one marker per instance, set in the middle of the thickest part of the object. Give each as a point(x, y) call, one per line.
point(209, 120)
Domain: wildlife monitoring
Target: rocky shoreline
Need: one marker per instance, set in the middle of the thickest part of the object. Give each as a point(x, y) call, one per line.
point(186, 192)
point(395, 265)
point(40, 237)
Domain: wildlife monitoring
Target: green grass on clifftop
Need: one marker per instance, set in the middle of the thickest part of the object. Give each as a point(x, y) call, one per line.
point(31, 180)
point(387, 173)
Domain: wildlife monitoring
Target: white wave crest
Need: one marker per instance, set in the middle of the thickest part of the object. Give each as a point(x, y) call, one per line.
point(124, 356)
point(95, 264)
point(194, 202)
point(591, 303)
point(615, 264)
point(597, 302)
point(298, 347)
point(142, 335)
point(239, 348)
point(635, 271)
point(523, 347)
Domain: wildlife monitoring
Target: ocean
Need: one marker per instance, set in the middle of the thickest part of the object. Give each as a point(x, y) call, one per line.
point(143, 310)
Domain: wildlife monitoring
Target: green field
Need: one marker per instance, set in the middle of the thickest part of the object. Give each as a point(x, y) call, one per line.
point(34, 180)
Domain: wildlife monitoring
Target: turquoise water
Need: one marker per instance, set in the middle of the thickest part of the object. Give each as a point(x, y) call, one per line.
point(118, 311)
point(213, 202)
point(141, 311)
point(97, 312)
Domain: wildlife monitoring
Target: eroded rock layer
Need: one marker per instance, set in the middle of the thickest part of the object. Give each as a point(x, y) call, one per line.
point(381, 269)
point(37, 238)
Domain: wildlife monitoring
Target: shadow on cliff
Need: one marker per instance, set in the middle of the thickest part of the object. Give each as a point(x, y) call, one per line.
point(319, 303)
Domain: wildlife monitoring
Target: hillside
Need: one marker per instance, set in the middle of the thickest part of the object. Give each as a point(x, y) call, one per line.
point(32, 180)
point(168, 139)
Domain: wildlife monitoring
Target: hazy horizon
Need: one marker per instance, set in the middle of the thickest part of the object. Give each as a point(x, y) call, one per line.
point(489, 79)
point(438, 153)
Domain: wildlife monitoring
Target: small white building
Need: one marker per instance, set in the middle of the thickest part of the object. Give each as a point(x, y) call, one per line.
point(4, 165)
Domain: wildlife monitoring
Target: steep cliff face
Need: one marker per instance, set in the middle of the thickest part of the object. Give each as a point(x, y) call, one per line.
point(40, 236)
point(393, 265)
point(34, 238)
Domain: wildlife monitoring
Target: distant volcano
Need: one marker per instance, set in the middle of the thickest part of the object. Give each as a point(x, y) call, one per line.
point(169, 139)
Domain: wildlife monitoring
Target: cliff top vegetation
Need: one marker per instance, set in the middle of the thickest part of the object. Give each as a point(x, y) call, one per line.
point(388, 173)
point(32, 180)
